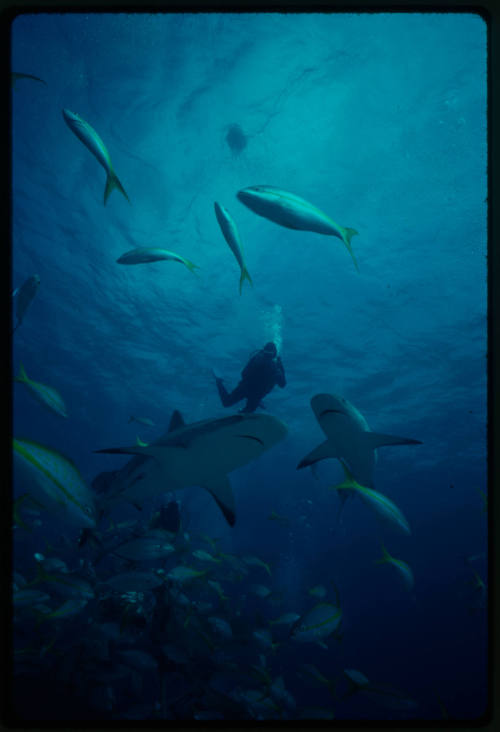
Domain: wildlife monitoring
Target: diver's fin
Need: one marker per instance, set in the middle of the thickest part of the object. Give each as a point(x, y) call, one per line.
point(376, 439)
point(321, 452)
point(176, 421)
point(220, 489)
point(112, 182)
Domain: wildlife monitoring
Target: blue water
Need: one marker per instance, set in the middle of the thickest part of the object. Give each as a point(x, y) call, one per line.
point(380, 121)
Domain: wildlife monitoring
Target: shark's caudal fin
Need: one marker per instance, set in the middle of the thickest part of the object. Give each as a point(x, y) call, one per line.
point(376, 439)
point(112, 182)
point(221, 490)
point(321, 452)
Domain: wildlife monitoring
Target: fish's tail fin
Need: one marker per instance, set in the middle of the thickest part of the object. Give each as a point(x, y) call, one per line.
point(22, 376)
point(112, 182)
point(386, 557)
point(347, 236)
point(245, 276)
point(191, 266)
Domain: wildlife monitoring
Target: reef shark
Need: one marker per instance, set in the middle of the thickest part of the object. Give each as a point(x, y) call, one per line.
point(201, 453)
point(348, 438)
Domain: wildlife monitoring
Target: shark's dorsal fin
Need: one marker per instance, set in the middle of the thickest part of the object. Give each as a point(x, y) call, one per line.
point(176, 421)
point(220, 489)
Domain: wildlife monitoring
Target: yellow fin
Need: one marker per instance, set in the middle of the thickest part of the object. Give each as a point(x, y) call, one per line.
point(112, 182)
point(191, 267)
point(348, 234)
point(245, 276)
point(22, 376)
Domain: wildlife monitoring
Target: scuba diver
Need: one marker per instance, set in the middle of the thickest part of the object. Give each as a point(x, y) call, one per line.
point(261, 374)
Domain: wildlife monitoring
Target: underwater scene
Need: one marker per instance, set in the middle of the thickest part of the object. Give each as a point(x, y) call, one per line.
point(249, 383)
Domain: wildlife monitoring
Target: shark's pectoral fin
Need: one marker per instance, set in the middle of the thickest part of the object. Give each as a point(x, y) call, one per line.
point(323, 451)
point(132, 450)
point(375, 439)
point(220, 489)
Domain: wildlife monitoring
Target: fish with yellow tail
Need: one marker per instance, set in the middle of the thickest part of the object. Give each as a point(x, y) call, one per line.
point(146, 255)
point(55, 482)
point(383, 506)
point(231, 235)
point(293, 212)
point(46, 395)
point(403, 569)
point(93, 142)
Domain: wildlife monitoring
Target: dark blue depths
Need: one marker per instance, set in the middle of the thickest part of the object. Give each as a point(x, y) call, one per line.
point(380, 122)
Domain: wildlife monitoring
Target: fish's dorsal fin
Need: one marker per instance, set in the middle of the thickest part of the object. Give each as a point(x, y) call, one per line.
point(220, 489)
point(176, 421)
point(374, 440)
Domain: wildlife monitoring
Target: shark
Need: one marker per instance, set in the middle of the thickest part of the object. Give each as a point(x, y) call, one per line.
point(349, 438)
point(197, 454)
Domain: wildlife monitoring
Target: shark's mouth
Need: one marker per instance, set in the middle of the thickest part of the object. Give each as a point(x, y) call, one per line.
point(331, 411)
point(252, 437)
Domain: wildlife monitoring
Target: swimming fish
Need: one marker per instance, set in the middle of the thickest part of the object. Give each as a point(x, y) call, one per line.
point(46, 395)
point(348, 437)
point(204, 556)
point(55, 482)
point(23, 296)
point(317, 624)
point(93, 142)
point(149, 547)
point(145, 255)
point(184, 574)
point(403, 569)
point(383, 506)
point(289, 210)
point(252, 561)
point(231, 235)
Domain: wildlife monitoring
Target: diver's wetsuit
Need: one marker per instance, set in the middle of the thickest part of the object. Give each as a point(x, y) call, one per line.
point(261, 374)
